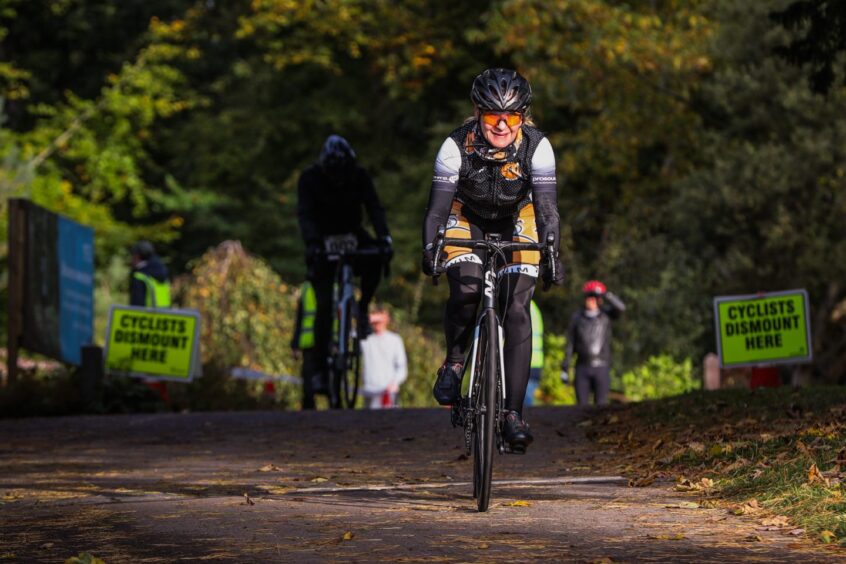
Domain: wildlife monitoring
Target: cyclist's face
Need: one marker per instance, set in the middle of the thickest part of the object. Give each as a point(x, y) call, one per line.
point(500, 128)
point(591, 303)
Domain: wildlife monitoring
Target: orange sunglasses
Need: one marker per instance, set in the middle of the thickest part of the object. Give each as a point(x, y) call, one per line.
point(512, 119)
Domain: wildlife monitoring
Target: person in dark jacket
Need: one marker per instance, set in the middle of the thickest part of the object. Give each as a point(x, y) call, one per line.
point(589, 335)
point(333, 195)
point(149, 284)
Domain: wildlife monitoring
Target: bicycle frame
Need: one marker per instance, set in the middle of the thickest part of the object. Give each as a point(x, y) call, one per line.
point(480, 416)
point(344, 352)
point(489, 298)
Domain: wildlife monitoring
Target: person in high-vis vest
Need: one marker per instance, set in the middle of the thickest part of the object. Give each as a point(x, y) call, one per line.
point(149, 284)
point(302, 342)
point(536, 365)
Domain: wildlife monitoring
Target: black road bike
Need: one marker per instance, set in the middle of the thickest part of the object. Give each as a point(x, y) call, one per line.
point(343, 365)
point(481, 410)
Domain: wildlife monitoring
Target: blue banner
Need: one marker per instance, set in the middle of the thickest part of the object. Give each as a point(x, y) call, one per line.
point(75, 249)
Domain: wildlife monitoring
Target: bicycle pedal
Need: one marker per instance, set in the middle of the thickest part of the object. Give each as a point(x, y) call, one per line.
point(516, 449)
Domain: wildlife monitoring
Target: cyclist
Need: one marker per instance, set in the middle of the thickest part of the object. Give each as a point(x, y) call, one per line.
point(589, 335)
point(494, 174)
point(332, 195)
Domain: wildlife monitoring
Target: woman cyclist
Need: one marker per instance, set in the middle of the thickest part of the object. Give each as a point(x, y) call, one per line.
point(494, 174)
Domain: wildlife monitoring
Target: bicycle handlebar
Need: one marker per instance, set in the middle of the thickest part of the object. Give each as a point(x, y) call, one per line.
point(442, 241)
point(354, 252)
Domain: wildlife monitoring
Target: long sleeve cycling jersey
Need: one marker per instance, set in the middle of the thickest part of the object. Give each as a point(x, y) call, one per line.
point(494, 189)
point(329, 207)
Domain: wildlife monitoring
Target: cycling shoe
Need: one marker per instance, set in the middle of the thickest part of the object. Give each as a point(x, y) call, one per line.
point(515, 433)
point(447, 388)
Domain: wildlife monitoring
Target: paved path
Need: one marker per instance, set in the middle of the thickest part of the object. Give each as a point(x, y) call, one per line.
point(351, 486)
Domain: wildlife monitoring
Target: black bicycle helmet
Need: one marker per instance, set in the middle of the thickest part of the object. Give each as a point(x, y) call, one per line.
point(336, 154)
point(501, 90)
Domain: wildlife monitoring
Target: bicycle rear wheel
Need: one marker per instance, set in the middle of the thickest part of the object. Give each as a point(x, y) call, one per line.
point(485, 416)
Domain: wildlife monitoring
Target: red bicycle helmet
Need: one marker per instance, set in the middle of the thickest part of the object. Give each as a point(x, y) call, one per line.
point(593, 288)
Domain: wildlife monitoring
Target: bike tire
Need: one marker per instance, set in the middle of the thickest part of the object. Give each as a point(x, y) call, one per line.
point(477, 395)
point(336, 366)
point(487, 417)
point(350, 374)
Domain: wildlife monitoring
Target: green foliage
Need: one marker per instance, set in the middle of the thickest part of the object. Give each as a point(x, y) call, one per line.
point(551, 390)
point(247, 316)
point(659, 377)
point(695, 159)
point(425, 353)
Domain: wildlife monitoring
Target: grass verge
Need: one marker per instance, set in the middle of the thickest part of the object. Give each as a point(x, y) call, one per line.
point(778, 451)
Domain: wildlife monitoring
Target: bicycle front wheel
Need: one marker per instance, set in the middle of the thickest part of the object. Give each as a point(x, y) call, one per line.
point(485, 416)
point(350, 373)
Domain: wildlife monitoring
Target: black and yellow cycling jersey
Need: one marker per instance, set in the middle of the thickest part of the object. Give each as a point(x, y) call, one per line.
point(522, 230)
point(494, 187)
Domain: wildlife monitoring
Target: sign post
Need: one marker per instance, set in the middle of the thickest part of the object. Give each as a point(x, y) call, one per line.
point(766, 328)
point(160, 344)
point(17, 252)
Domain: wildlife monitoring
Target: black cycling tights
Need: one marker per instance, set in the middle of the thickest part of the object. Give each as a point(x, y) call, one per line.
point(515, 294)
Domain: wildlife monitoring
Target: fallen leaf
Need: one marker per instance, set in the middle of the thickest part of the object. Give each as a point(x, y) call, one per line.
point(677, 536)
point(777, 521)
point(269, 468)
point(518, 503)
point(657, 444)
point(319, 479)
point(828, 537)
point(750, 506)
point(585, 423)
point(685, 485)
point(611, 420)
point(248, 500)
point(796, 532)
point(642, 481)
point(754, 538)
point(698, 448)
point(483, 546)
point(804, 449)
point(815, 476)
point(683, 505)
point(604, 560)
point(348, 536)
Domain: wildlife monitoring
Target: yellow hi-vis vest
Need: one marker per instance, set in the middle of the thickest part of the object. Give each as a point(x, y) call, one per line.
point(308, 303)
point(537, 336)
point(157, 294)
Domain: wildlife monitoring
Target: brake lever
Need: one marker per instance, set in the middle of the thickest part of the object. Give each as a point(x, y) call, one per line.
point(550, 257)
point(436, 259)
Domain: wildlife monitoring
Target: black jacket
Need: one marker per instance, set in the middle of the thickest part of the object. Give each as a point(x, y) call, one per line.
point(137, 289)
point(590, 337)
point(325, 207)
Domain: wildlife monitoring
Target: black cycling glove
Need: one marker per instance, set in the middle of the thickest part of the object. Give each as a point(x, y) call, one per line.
point(546, 273)
point(427, 263)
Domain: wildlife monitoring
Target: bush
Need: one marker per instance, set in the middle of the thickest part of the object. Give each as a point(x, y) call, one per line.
point(247, 320)
point(659, 377)
point(551, 390)
point(425, 353)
